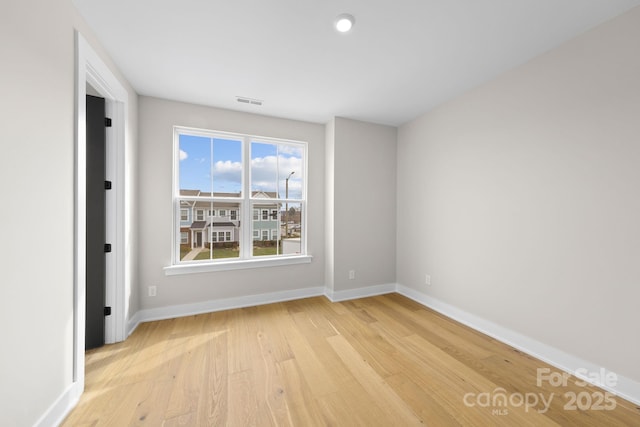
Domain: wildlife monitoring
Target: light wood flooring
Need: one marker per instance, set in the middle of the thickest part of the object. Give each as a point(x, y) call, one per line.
point(379, 361)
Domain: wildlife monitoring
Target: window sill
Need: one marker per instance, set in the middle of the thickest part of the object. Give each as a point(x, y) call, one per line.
point(190, 268)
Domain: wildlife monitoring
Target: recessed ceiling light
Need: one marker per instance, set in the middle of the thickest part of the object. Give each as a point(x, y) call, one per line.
point(344, 22)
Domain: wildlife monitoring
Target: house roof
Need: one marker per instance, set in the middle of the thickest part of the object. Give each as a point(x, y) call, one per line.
point(264, 194)
point(254, 194)
point(199, 193)
point(198, 225)
point(223, 224)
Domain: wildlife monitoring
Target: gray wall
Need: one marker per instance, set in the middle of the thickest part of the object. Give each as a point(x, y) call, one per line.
point(157, 118)
point(36, 183)
point(521, 199)
point(362, 217)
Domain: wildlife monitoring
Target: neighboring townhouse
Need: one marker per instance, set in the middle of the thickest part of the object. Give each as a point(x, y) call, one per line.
point(265, 217)
point(203, 222)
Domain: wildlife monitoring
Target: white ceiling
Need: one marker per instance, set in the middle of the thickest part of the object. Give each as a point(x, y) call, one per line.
point(402, 58)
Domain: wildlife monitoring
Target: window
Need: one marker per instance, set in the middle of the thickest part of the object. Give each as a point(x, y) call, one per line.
point(184, 237)
point(221, 236)
point(257, 180)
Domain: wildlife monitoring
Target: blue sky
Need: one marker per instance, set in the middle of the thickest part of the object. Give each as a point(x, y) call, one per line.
point(270, 165)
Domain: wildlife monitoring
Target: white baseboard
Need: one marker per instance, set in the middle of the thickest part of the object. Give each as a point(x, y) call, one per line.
point(625, 387)
point(367, 291)
point(182, 310)
point(62, 406)
point(133, 323)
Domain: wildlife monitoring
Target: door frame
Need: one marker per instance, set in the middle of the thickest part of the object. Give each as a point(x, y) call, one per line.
point(92, 70)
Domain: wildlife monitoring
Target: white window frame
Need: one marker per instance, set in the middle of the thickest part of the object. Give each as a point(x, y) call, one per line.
point(245, 210)
point(256, 214)
point(200, 215)
point(184, 237)
point(256, 234)
point(263, 213)
point(222, 213)
point(265, 235)
point(233, 214)
point(186, 214)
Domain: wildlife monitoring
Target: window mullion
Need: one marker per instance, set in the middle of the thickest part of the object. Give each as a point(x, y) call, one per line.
point(246, 232)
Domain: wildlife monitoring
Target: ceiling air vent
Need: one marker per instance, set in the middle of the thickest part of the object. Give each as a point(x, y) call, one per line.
point(246, 100)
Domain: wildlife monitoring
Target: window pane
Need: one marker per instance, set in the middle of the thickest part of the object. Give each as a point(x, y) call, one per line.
point(281, 234)
point(227, 167)
point(195, 165)
point(290, 171)
point(225, 234)
point(291, 229)
point(264, 171)
point(264, 244)
point(210, 237)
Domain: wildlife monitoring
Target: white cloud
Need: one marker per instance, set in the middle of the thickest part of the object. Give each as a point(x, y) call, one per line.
point(269, 174)
point(290, 149)
point(228, 171)
point(183, 155)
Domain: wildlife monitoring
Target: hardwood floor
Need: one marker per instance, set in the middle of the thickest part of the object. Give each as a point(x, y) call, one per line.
point(379, 361)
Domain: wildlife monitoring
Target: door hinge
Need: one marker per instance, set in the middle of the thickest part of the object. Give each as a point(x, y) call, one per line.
point(107, 185)
point(107, 247)
point(107, 122)
point(107, 311)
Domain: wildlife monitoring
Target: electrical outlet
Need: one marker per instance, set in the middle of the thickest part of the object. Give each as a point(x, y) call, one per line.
point(153, 291)
point(427, 280)
point(352, 274)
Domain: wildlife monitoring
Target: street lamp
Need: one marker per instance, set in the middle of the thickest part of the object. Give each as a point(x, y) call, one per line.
point(286, 205)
